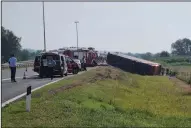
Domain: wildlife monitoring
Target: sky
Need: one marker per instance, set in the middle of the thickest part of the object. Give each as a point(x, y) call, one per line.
point(123, 26)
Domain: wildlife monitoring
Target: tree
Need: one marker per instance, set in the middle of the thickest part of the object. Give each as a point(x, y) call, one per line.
point(164, 54)
point(147, 56)
point(10, 43)
point(38, 52)
point(156, 55)
point(130, 54)
point(24, 55)
point(181, 47)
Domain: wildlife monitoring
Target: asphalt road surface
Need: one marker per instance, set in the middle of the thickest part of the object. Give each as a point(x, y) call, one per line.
point(6, 74)
point(11, 90)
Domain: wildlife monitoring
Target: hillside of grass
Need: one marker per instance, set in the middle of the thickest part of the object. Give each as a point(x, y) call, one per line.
point(104, 97)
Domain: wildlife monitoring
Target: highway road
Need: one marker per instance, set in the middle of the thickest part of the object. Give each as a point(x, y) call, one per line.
point(11, 90)
point(6, 74)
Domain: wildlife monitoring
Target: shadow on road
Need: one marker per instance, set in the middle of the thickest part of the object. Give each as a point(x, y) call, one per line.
point(37, 77)
point(55, 76)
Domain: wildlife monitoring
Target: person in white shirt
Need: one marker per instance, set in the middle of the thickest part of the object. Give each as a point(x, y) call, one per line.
point(12, 65)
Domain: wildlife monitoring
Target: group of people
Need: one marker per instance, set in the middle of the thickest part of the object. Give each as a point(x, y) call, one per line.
point(168, 72)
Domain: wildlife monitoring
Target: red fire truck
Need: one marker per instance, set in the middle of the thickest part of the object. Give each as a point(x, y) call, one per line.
point(89, 53)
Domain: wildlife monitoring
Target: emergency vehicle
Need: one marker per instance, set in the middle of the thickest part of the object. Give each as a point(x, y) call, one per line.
point(89, 53)
point(72, 66)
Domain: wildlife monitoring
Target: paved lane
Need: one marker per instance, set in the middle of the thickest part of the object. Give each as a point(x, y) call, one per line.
point(11, 90)
point(6, 74)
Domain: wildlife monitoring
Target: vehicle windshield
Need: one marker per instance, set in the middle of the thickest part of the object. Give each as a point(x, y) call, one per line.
point(55, 57)
point(37, 58)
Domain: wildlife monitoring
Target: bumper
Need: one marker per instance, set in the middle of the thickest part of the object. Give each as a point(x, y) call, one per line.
point(46, 71)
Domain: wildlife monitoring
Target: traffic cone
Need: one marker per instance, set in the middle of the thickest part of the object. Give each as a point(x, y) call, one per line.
point(24, 76)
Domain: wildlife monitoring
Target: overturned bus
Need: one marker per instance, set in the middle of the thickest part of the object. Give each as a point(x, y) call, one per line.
point(133, 64)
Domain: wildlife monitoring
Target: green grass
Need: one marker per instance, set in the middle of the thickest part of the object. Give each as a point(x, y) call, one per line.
point(179, 64)
point(104, 97)
point(184, 73)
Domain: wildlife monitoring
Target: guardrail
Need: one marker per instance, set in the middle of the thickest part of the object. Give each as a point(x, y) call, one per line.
point(30, 63)
point(18, 66)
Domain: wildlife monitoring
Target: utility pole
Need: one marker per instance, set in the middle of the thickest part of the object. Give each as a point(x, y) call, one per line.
point(44, 27)
point(76, 22)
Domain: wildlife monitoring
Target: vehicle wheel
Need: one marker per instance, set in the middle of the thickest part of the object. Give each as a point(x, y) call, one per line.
point(62, 73)
point(94, 64)
point(75, 71)
point(66, 74)
point(40, 75)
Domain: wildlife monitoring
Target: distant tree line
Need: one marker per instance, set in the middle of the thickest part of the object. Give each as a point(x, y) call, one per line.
point(181, 47)
point(10, 44)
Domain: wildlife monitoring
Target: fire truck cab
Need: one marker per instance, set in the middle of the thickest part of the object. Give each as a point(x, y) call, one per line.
point(89, 53)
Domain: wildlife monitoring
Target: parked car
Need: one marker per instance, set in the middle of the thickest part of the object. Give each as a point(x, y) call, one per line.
point(72, 65)
point(79, 63)
point(37, 64)
point(59, 69)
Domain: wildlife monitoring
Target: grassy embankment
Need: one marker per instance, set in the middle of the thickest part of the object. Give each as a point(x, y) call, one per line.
point(104, 97)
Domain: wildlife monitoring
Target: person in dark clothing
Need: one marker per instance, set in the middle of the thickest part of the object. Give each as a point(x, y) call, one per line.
point(162, 71)
point(51, 64)
point(167, 71)
point(84, 63)
point(12, 66)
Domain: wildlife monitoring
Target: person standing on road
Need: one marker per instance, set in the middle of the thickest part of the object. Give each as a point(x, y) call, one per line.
point(84, 63)
point(12, 66)
point(51, 64)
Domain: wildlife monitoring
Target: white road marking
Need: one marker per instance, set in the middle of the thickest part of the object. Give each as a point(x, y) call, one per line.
point(19, 96)
point(18, 77)
point(10, 78)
